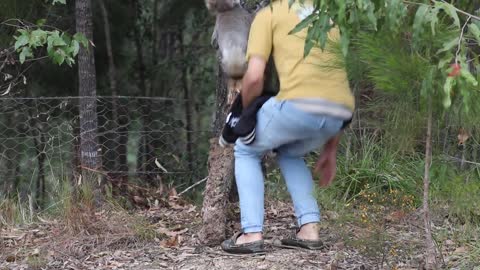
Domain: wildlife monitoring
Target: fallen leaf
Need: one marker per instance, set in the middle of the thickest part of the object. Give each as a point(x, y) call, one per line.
point(160, 166)
point(460, 250)
point(170, 243)
point(8, 90)
point(449, 242)
point(11, 258)
point(172, 193)
point(462, 136)
point(36, 252)
point(395, 216)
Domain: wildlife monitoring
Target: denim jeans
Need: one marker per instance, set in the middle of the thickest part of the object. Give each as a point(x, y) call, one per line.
point(292, 133)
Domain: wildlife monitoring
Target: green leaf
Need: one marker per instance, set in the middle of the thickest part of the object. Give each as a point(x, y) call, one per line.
point(59, 56)
point(55, 35)
point(465, 73)
point(353, 19)
point(360, 4)
point(38, 38)
point(433, 16)
point(344, 42)
point(70, 61)
point(75, 47)
point(447, 46)
point(26, 53)
point(427, 83)
point(303, 24)
point(451, 11)
point(444, 61)
point(81, 39)
point(41, 22)
point(22, 40)
point(447, 89)
point(290, 3)
point(342, 7)
point(308, 47)
point(420, 18)
point(371, 15)
point(475, 31)
point(58, 41)
point(59, 1)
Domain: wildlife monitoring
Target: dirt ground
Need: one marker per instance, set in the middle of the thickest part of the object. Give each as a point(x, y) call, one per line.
point(166, 239)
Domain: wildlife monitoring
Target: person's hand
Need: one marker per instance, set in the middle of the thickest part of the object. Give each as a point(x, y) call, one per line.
point(327, 162)
point(326, 166)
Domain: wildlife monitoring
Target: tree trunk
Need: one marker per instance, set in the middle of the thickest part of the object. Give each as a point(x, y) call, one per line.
point(76, 168)
point(123, 125)
point(89, 157)
point(188, 108)
point(220, 161)
point(119, 177)
point(146, 154)
point(220, 174)
point(39, 142)
point(430, 256)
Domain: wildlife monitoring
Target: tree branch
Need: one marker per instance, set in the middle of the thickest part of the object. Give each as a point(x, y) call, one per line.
point(456, 9)
point(460, 39)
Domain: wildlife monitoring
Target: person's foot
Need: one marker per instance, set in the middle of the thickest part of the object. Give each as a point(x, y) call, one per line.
point(248, 238)
point(307, 237)
point(244, 243)
point(309, 231)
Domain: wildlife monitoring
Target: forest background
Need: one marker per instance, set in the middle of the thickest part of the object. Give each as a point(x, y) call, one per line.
point(156, 75)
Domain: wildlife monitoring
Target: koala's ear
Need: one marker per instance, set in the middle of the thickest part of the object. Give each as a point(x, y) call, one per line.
point(211, 5)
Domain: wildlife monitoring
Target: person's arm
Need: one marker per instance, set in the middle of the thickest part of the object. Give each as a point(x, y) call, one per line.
point(260, 44)
point(252, 83)
point(327, 162)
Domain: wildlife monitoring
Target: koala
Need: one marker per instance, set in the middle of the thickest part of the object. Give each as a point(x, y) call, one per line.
point(230, 37)
point(217, 6)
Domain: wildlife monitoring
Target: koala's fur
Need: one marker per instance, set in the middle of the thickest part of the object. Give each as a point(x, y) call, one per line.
point(232, 28)
point(217, 6)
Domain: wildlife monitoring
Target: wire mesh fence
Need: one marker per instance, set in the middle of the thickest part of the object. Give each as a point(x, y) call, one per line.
point(147, 139)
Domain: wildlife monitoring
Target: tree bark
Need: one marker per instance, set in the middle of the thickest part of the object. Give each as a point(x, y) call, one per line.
point(220, 162)
point(89, 157)
point(76, 167)
point(430, 256)
point(39, 142)
point(220, 174)
point(119, 177)
point(146, 154)
point(188, 108)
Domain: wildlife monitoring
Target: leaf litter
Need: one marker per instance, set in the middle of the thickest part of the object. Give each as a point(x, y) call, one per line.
point(168, 240)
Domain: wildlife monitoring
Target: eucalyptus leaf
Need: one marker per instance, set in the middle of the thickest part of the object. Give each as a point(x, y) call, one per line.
point(447, 46)
point(475, 31)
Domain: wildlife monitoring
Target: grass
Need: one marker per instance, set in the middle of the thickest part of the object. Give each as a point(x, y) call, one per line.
point(76, 212)
point(372, 170)
point(13, 212)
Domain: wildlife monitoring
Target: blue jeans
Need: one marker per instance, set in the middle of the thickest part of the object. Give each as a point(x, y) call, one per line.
point(292, 133)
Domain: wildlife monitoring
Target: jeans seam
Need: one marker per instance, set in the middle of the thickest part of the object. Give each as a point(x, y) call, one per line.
point(309, 213)
point(268, 124)
point(260, 227)
point(315, 214)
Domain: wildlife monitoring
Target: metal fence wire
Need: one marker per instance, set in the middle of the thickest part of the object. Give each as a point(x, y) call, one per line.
point(143, 138)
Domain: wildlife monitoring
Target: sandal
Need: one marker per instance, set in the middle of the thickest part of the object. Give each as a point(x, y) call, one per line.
point(230, 246)
point(306, 244)
point(294, 242)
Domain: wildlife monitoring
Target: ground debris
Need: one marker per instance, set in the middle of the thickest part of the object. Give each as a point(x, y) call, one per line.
point(168, 240)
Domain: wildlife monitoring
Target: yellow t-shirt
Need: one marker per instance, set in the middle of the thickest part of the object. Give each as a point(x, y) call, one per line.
point(300, 78)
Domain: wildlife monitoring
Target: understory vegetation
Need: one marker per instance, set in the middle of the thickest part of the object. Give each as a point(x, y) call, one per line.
point(374, 204)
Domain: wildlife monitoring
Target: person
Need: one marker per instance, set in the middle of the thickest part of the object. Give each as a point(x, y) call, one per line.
point(308, 112)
